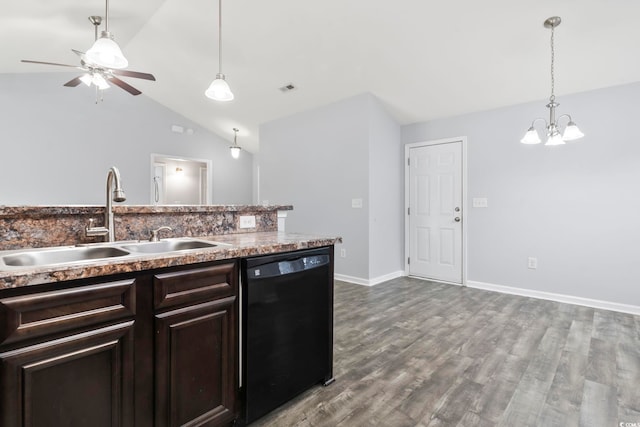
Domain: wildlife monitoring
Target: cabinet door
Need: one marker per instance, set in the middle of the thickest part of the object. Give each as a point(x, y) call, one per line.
point(80, 380)
point(196, 365)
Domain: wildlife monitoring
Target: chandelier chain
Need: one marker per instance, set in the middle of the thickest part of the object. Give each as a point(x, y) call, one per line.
point(553, 54)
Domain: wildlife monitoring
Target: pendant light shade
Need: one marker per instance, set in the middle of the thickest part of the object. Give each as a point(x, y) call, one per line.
point(219, 89)
point(571, 131)
point(105, 52)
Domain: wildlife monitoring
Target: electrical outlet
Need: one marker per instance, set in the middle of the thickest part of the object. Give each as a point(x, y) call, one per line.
point(343, 253)
point(532, 263)
point(247, 221)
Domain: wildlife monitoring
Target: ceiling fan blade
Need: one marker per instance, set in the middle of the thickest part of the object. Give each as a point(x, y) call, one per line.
point(48, 63)
point(135, 74)
point(73, 83)
point(126, 86)
point(77, 52)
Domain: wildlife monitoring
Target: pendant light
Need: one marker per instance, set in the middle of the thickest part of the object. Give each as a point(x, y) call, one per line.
point(235, 148)
point(105, 52)
point(571, 131)
point(219, 89)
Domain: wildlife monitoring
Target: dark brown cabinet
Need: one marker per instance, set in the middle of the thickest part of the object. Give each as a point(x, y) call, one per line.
point(155, 348)
point(195, 346)
point(67, 356)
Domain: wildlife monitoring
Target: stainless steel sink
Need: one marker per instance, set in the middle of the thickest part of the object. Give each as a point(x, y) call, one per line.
point(94, 251)
point(167, 246)
point(61, 256)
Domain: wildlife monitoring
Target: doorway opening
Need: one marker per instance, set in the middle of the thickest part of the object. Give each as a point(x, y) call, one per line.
point(179, 180)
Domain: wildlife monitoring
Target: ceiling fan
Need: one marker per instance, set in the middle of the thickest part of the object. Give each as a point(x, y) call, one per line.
point(98, 75)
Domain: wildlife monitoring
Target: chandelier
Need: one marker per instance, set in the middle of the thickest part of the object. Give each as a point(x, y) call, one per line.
point(571, 131)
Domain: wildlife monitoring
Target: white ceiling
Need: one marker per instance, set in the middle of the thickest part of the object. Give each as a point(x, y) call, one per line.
point(423, 59)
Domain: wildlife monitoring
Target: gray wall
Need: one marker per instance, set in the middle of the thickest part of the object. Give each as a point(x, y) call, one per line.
point(574, 207)
point(57, 144)
point(322, 159)
point(386, 180)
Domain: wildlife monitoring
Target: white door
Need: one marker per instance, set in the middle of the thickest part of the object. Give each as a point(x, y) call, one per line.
point(435, 211)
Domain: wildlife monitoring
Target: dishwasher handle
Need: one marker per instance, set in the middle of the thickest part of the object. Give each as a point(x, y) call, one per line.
point(290, 266)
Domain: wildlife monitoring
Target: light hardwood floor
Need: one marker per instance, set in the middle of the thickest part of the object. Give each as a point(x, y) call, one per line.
point(414, 353)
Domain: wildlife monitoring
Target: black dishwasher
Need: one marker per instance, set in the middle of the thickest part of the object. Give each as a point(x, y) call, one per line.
point(287, 327)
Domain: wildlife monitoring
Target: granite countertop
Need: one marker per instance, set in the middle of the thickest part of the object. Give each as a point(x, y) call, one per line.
point(233, 246)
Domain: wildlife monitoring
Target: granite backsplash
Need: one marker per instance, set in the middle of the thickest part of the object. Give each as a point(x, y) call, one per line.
point(44, 226)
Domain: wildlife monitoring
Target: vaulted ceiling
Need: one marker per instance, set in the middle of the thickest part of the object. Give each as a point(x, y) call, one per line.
point(423, 59)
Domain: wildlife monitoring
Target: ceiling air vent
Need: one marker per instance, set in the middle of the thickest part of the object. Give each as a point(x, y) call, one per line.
point(287, 88)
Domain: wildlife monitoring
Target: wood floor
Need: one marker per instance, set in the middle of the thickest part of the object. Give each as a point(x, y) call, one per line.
point(414, 353)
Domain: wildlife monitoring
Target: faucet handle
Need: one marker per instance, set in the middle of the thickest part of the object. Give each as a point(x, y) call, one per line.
point(154, 233)
point(91, 231)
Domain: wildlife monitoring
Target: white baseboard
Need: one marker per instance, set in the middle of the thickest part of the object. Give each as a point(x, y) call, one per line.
point(569, 299)
point(369, 282)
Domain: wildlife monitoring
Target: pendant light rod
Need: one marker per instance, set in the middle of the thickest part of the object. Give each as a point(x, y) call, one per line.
point(219, 36)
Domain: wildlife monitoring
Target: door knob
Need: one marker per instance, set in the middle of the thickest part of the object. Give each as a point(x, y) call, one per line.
point(457, 219)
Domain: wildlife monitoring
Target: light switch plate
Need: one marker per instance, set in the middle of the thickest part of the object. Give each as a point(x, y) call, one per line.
point(480, 202)
point(247, 221)
point(356, 203)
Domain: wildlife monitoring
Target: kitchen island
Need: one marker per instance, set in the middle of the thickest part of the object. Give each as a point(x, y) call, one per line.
point(144, 339)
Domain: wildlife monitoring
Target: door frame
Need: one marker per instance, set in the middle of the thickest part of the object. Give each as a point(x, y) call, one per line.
point(407, 196)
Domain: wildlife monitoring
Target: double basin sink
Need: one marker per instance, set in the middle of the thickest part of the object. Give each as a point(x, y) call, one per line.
point(51, 256)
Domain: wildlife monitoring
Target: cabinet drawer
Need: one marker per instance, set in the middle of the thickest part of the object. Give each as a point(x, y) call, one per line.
point(39, 314)
point(193, 285)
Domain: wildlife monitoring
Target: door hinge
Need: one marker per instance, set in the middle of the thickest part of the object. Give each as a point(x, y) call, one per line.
point(408, 211)
point(408, 161)
point(408, 260)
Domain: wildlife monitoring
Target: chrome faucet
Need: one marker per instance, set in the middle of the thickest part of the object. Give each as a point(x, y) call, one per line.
point(113, 177)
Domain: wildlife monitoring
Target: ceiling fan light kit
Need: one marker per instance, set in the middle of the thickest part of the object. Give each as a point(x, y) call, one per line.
point(105, 52)
point(571, 131)
point(219, 89)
